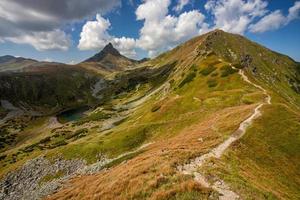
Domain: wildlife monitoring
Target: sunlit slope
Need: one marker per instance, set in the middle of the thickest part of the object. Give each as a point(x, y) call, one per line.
point(203, 90)
point(171, 109)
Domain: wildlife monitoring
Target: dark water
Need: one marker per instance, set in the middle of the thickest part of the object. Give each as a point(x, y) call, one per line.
point(72, 115)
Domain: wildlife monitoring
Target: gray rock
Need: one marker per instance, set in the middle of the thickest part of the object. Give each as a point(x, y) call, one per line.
point(25, 183)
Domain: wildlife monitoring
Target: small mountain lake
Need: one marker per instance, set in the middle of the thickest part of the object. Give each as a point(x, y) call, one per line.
point(72, 115)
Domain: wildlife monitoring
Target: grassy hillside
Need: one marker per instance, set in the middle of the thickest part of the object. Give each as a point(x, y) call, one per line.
point(265, 162)
point(275, 71)
point(180, 105)
point(174, 122)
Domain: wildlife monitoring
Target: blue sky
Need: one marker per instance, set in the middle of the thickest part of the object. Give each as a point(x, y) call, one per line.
point(55, 31)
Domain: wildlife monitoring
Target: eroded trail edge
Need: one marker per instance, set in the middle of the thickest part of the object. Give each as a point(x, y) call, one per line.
point(192, 167)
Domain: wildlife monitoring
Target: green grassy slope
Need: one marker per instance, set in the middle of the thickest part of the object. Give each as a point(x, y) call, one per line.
point(275, 71)
point(198, 87)
point(265, 161)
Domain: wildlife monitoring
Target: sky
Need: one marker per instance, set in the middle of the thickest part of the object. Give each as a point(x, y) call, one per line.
point(70, 31)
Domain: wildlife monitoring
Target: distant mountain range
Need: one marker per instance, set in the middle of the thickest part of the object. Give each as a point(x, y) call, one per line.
point(109, 59)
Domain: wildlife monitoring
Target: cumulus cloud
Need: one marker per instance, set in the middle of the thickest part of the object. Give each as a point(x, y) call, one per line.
point(94, 36)
point(235, 15)
point(275, 20)
point(162, 31)
point(126, 46)
point(38, 22)
point(50, 40)
point(294, 11)
point(180, 5)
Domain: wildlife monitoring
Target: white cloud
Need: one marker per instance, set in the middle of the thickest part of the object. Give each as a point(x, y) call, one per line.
point(294, 11)
point(153, 10)
point(126, 46)
point(95, 36)
point(180, 5)
point(235, 15)
point(275, 20)
point(50, 40)
point(39, 23)
point(271, 21)
point(162, 31)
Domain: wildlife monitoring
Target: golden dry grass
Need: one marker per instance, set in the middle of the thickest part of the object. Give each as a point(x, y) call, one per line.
point(153, 174)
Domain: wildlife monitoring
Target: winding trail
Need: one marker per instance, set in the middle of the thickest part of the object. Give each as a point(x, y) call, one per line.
point(220, 186)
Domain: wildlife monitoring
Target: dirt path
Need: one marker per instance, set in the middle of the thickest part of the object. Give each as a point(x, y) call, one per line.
point(220, 186)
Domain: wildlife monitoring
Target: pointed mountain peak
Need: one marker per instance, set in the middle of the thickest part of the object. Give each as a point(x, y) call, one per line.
point(109, 48)
point(110, 58)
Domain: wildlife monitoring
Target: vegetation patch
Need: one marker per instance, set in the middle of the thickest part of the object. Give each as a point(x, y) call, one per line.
point(227, 70)
point(132, 141)
point(98, 116)
point(237, 65)
point(155, 108)
point(214, 74)
point(208, 70)
point(51, 177)
point(3, 112)
point(189, 78)
point(78, 134)
point(212, 83)
point(6, 138)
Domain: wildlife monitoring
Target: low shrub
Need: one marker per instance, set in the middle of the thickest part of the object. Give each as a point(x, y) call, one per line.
point(227, 70)
point(208, 70)
point(189, 78)
point(155, 108)
point(212, 83)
